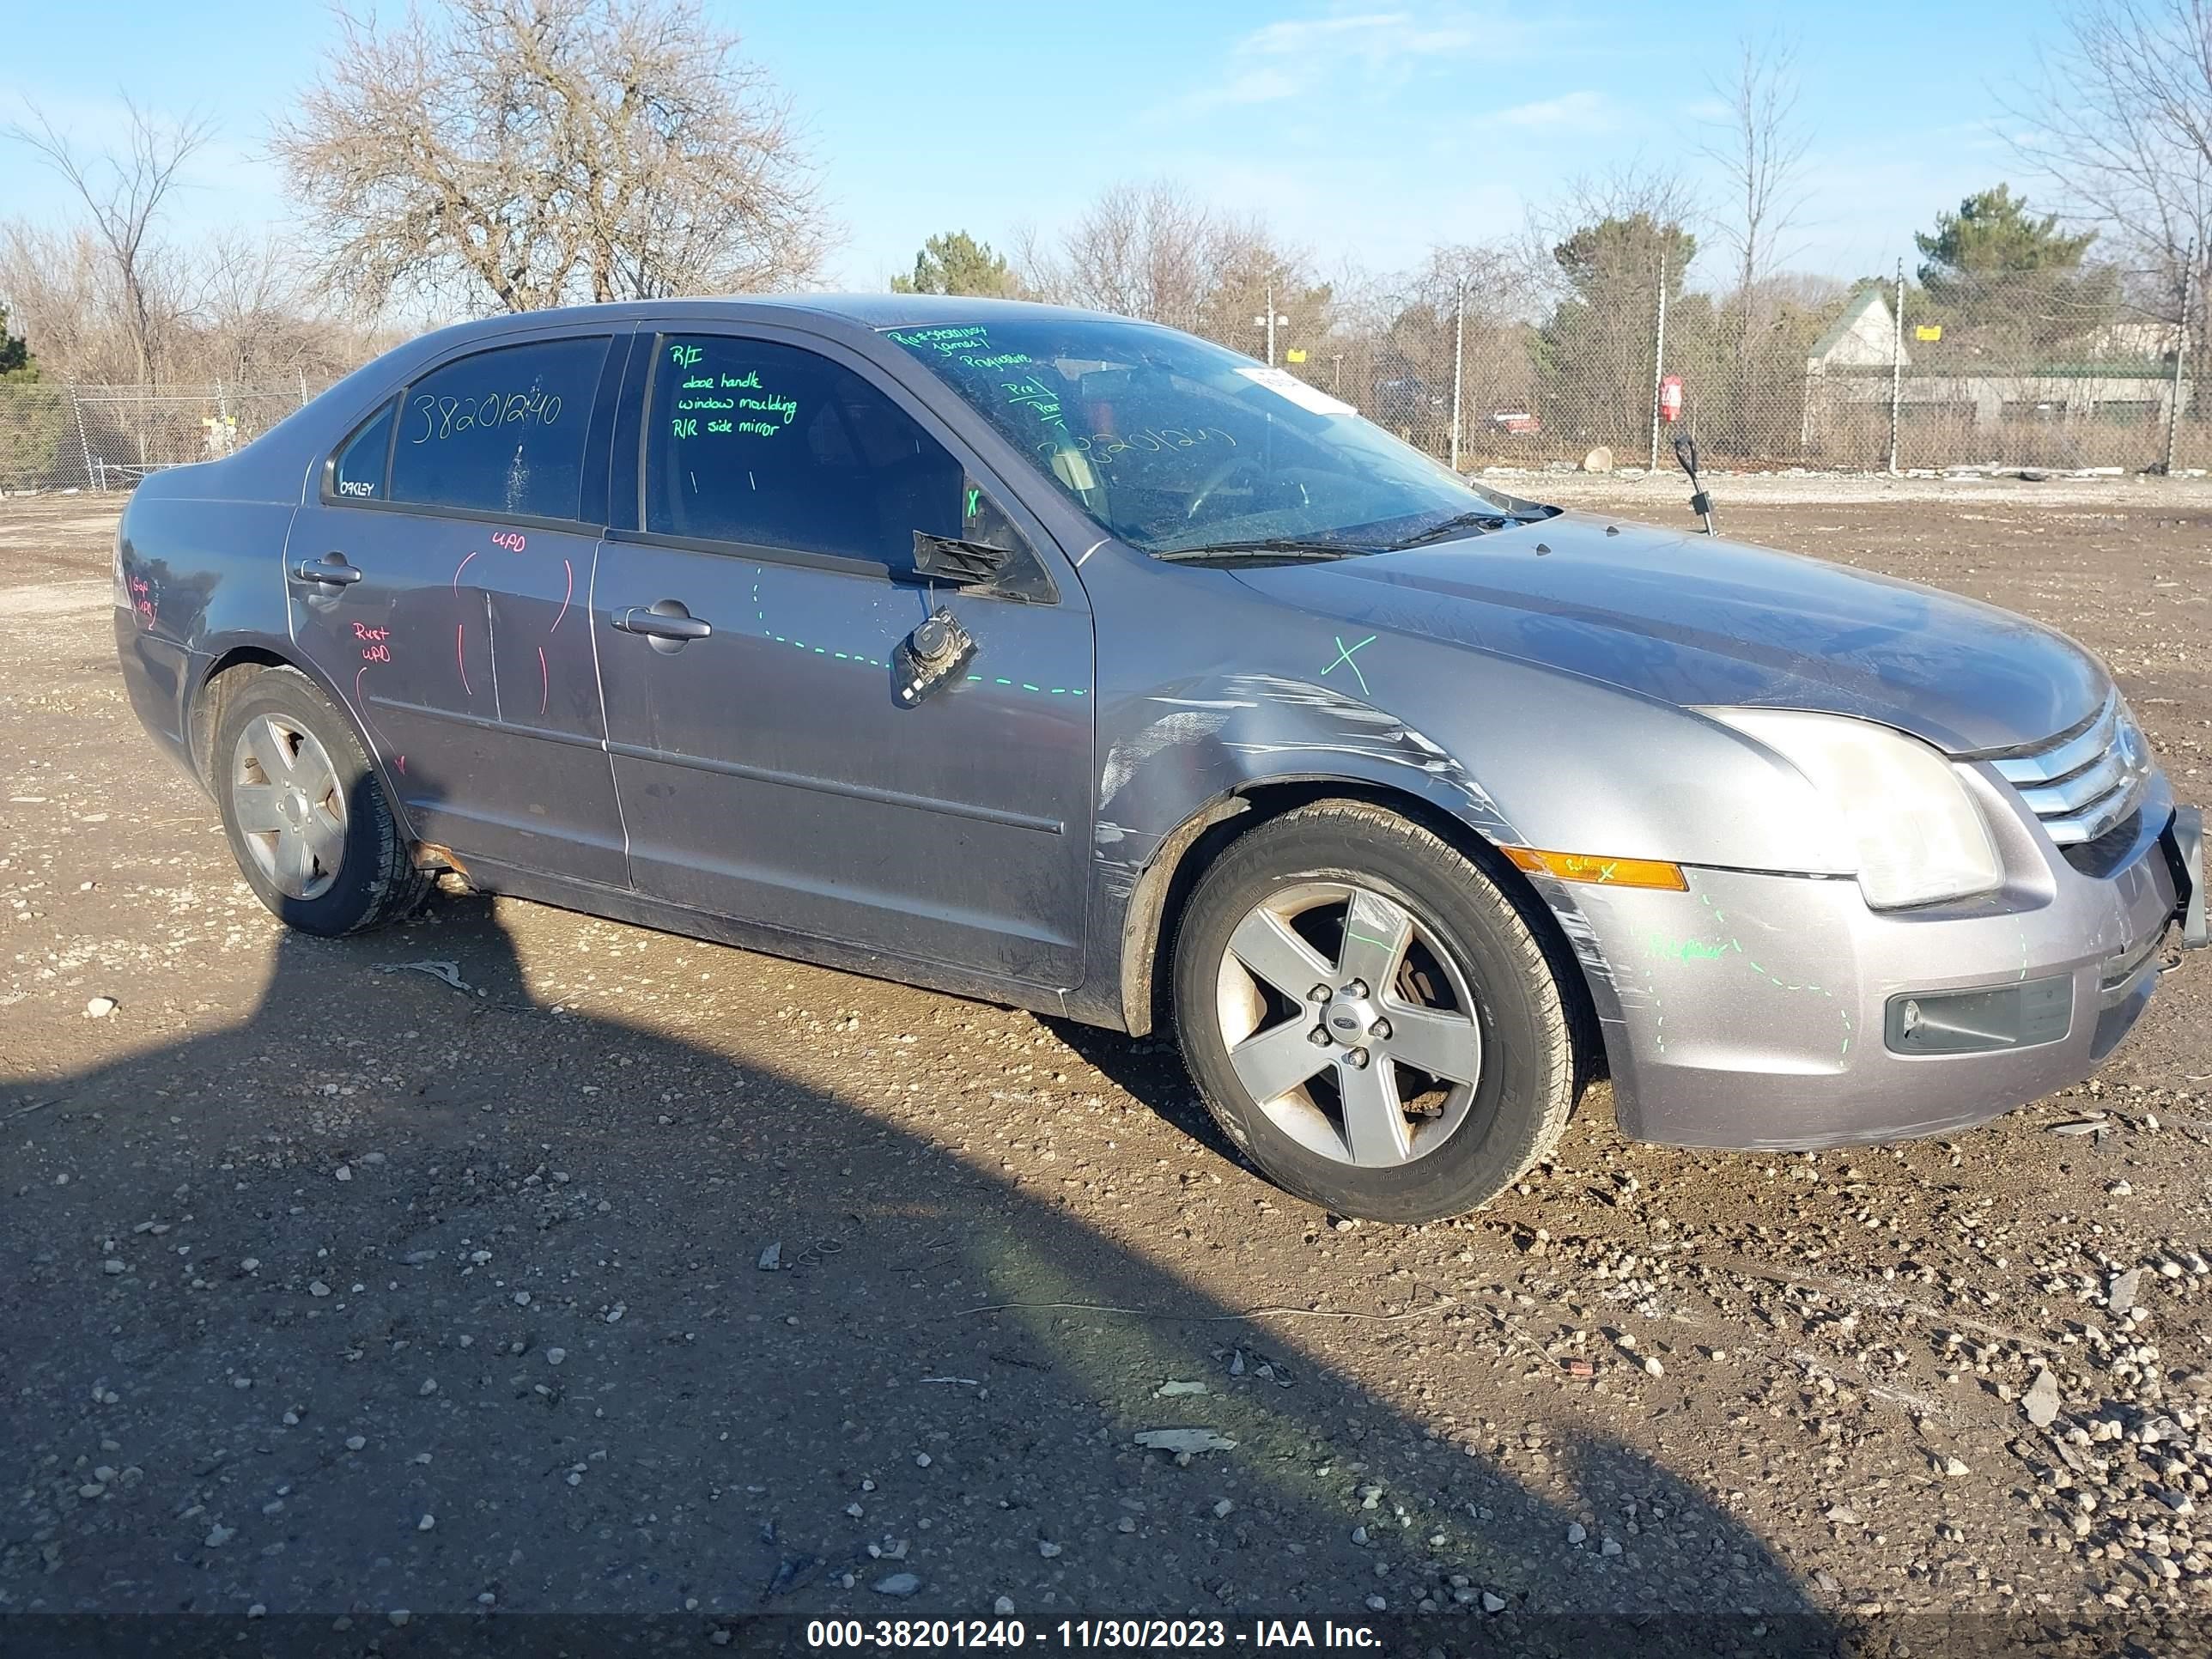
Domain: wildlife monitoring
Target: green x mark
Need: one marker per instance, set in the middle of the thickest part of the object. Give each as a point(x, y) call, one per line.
point(1344, 656)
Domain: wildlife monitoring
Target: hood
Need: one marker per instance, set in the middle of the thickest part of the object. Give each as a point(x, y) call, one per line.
point(1691, 619)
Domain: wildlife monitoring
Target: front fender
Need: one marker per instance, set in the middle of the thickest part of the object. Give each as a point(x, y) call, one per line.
point(1522, 754)
point(1180, 764)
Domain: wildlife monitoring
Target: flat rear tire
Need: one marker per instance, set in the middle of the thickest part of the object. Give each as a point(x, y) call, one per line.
point(305, 812)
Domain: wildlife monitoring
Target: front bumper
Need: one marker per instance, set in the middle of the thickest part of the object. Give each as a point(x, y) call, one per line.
point(1755, 1010)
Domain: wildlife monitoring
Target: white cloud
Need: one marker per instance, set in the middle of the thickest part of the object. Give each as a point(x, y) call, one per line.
point(1295, 56)
point(1585, 110)
point(1374, 37)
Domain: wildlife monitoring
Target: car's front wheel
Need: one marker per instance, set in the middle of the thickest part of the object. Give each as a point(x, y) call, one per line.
point(307, 820)
point(1371, 1016)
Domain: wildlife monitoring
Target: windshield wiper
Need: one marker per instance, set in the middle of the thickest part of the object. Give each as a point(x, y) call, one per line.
point(1271, 547)
point(1489, 518)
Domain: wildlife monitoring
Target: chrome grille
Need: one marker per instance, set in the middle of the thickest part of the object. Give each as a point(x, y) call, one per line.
point(2084, 780)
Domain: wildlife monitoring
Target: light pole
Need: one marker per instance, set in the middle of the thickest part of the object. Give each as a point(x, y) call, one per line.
point(1269, 322)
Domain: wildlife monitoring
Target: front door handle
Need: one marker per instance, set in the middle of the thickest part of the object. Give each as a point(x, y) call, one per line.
point(336, 574)
point(667, 620)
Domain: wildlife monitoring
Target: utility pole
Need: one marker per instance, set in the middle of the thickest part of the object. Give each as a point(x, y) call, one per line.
point(2181, 355)
point(1269, 321)
point(1658, 362)
point(1896, 366)
point(1459, 361)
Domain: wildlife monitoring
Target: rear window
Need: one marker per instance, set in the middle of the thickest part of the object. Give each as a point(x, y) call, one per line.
point(500, 431)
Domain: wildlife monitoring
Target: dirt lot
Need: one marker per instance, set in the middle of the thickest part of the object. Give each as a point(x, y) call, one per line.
point(332, 1286)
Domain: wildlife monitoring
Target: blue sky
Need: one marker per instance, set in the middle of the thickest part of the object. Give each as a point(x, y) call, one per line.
point(1374, 126)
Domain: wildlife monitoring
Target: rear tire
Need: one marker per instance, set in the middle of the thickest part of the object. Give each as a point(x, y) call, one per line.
point(306, 817)
point(1440, 1083)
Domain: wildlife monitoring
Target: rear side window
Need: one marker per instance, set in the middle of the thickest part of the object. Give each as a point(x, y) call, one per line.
point(502, 431)
point(358, 474)
point(747, 440)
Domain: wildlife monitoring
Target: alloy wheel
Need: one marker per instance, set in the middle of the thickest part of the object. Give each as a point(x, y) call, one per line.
point(289, 806)
point(1349, 1022)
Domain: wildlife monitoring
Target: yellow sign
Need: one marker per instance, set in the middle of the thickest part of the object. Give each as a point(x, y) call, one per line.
point(1928, 331)
point(1295, 355)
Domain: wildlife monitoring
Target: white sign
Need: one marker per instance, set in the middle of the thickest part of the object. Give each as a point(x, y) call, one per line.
point(1283, 384)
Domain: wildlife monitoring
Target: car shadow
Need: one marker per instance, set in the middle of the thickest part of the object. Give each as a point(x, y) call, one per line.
point(414, 1289)
point(1149, 1070)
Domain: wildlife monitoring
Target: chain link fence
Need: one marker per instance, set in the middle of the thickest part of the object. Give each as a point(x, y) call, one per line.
point(58, 435)
point(2060, 370)
point(2065, 370)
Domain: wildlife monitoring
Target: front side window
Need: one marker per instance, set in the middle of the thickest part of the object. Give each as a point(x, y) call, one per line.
point(1173, 444)
point(357, 474)
point(753, 441)
point(502, 431)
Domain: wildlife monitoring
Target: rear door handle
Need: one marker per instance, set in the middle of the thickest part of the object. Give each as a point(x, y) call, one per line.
point(668, 620)
point(336, 576)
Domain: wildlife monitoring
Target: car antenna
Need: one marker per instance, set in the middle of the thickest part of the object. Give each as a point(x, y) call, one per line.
point(1686, 451)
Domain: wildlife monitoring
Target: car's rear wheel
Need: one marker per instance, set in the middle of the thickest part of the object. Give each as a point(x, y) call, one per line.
point(1371, 1016)
point(307, 817)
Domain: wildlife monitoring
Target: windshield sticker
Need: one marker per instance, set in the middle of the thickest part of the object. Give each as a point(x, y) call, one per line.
point(1283, 384)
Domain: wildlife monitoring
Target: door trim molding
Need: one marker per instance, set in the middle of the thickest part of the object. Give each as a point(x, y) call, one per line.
point(957, 809)
point(486, 723)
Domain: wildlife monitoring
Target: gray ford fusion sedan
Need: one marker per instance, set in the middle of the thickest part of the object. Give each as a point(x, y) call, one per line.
point(1074, 663)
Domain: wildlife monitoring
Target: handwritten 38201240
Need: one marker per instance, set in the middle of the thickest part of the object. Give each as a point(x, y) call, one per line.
point(451, 417)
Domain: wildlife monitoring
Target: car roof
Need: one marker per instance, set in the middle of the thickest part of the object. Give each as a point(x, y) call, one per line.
point(867, 311)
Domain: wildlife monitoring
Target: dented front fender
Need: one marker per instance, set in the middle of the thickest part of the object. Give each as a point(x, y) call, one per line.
point(1521, 753)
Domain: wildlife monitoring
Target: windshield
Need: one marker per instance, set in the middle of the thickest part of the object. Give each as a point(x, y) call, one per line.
point(1176, 445)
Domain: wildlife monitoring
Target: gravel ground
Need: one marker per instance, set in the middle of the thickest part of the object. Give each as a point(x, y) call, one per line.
point(513, 1259)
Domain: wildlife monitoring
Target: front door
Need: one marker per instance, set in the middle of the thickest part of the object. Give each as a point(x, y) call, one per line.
point(748, 635)
point(440, 582)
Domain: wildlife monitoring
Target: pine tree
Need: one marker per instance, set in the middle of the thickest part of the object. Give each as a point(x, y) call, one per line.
point(956, 263)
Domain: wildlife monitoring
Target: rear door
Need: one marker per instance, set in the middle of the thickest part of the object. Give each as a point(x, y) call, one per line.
point(768, 769)
point(438, 581)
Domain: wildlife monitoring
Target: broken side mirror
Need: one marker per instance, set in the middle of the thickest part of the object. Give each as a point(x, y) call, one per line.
point(982, 567)
point(1685, 454)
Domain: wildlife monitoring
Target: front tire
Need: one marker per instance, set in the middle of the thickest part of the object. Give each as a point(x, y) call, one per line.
point(1371, 1017)
point(307, 817)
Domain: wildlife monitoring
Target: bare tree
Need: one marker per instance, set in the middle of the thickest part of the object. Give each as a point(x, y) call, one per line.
point(57, 299)
point(2121, 122)
point(1142, 250)
point(1759, 150)
point(124, 193)
point(1154, 250)
point(231, 307)
point(255, 322)
point(518, 153)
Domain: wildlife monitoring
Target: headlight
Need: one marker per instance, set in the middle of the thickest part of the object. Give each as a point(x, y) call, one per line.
point(1901, 812)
